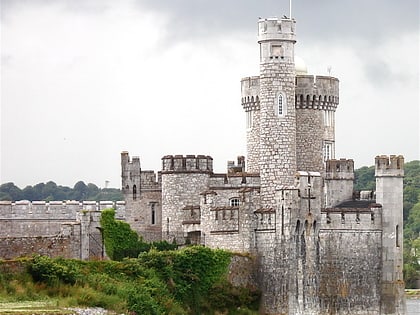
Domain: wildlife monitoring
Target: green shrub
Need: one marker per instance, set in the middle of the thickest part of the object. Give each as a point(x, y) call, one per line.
point(45, 269)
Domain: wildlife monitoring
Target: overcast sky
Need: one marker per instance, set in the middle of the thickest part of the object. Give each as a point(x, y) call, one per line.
point(82, 81)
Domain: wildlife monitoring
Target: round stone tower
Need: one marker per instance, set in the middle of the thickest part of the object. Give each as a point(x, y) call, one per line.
point(250, 90)
point(316, 101)
point(277, 132)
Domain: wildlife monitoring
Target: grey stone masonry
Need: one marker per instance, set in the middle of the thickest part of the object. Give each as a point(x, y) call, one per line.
point(316, 102)
point(277, 126)
point(389, 172)
point(339, 177)
point(250, 91)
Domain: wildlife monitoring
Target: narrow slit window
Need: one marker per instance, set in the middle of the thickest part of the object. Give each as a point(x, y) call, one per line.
point(280, 105)
point(134, 192)
point(153, 213)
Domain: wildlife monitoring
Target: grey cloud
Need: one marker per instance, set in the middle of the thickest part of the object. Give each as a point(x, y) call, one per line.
point(329, 19)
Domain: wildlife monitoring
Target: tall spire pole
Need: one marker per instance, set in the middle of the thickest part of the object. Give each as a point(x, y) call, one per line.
point(290, 9)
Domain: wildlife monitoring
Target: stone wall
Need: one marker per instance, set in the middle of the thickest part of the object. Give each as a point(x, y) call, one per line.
point(350, 267)
point(65, 244)
point(68, 229)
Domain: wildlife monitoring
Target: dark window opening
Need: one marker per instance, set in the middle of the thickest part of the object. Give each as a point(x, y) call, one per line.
point(153, 213)
point(134, 192)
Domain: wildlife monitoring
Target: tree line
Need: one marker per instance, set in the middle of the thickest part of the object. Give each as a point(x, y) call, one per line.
point(51, 191)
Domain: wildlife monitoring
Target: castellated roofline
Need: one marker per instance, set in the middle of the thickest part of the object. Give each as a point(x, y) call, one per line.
point(187, 164)
point(392, 165)
point(276, 29)
point(339, 169)
point(314, 92)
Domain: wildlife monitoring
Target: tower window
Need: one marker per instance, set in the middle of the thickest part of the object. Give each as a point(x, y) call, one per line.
point(249, 119)
point(153, 213)
point(328, 151)
point(234, 202)
point(281, 105)
point(134, 192)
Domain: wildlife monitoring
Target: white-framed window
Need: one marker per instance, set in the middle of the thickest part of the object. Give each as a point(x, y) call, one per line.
point(249, 120)
point(280, 105)
point(329, 118)
point(234, 202)
point(328, 150)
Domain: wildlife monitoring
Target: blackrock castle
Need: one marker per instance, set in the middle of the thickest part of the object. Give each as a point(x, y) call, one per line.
point(320, 248)
point(314, 245)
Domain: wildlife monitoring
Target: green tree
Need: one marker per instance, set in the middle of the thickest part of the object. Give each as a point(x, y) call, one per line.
point(364, 178)
point(12, 191)
point(80, 191)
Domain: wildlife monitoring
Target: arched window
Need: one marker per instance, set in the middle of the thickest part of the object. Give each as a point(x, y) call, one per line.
point(234, 202)
point(281, 105)
point(134, 192)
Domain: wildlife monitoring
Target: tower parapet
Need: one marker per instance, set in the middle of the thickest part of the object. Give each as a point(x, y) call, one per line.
point(250, 90)
point(187, 164)
point(339, 169)
point(339, 178)
point(320, 92)
point(389, 166)
point(276, 31)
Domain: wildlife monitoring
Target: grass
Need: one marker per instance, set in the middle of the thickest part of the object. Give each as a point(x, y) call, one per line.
point(412, 293)
point(49, 307)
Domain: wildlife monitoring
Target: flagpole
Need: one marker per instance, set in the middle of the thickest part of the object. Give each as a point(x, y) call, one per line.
point(290, 9)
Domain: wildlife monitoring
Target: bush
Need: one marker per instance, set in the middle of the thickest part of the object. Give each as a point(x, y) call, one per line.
point(45, 269)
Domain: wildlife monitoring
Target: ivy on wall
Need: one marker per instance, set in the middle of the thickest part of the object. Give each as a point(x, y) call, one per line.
point(122, 242)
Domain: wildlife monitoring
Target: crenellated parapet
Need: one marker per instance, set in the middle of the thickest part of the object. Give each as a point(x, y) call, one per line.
point(187, 164)
point(320, 92)
point(54, 210)
point(339, 169)
point(250, 90)
point(389, 165)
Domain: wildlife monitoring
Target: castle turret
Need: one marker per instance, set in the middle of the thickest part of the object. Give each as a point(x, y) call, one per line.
point(316, 102)
point(183, 179)
point(339, 177)
point(130, 176)
point(142, 195)
point(250, 90)
point(277, 151)
point(389, 172)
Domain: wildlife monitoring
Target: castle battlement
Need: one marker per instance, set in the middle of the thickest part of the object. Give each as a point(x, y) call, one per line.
point(339, 169)
point(352, 219)
point(250, 90)
point(188, 163)
point(317, 92)
point(134, 163)
point(276, 29)
point(392, 165)
point(54, 210)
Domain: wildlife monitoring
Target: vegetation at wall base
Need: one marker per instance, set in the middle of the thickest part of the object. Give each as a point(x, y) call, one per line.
point(123, 242)
point(187, 281)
